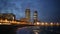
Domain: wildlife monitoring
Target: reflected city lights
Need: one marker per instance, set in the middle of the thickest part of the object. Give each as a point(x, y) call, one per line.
point(36, 31)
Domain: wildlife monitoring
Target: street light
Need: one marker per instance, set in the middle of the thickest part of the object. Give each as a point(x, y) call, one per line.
point(57, 23)
point(38, 23)
point(46, 23)
point(51, 23)
point(42, 23)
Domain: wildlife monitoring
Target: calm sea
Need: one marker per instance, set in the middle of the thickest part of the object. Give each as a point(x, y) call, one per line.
point(39, 30)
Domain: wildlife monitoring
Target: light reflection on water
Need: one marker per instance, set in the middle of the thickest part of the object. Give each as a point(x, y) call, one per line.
point(39, 30)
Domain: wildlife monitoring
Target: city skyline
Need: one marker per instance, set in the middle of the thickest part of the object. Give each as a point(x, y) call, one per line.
point(47, 10)
point(30, 16)
point(11, 16)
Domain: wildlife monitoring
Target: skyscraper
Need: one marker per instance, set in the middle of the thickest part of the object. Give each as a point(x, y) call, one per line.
point(35, 16)
point(27, 14)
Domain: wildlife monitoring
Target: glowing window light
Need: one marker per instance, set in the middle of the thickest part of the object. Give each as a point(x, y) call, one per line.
point(13, 18)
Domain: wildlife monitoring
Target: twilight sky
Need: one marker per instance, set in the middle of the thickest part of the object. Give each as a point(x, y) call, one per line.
point(48, 10)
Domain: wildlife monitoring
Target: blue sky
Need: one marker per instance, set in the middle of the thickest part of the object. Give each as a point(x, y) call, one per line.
point(48, 10)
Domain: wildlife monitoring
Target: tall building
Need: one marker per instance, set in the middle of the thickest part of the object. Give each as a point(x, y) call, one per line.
point(35, 17)
point(27, 14)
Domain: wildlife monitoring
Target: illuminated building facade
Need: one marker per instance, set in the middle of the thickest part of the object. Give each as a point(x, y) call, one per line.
point(27, 14)
point(24, 19)
point(35, 16)
point(8, 16)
